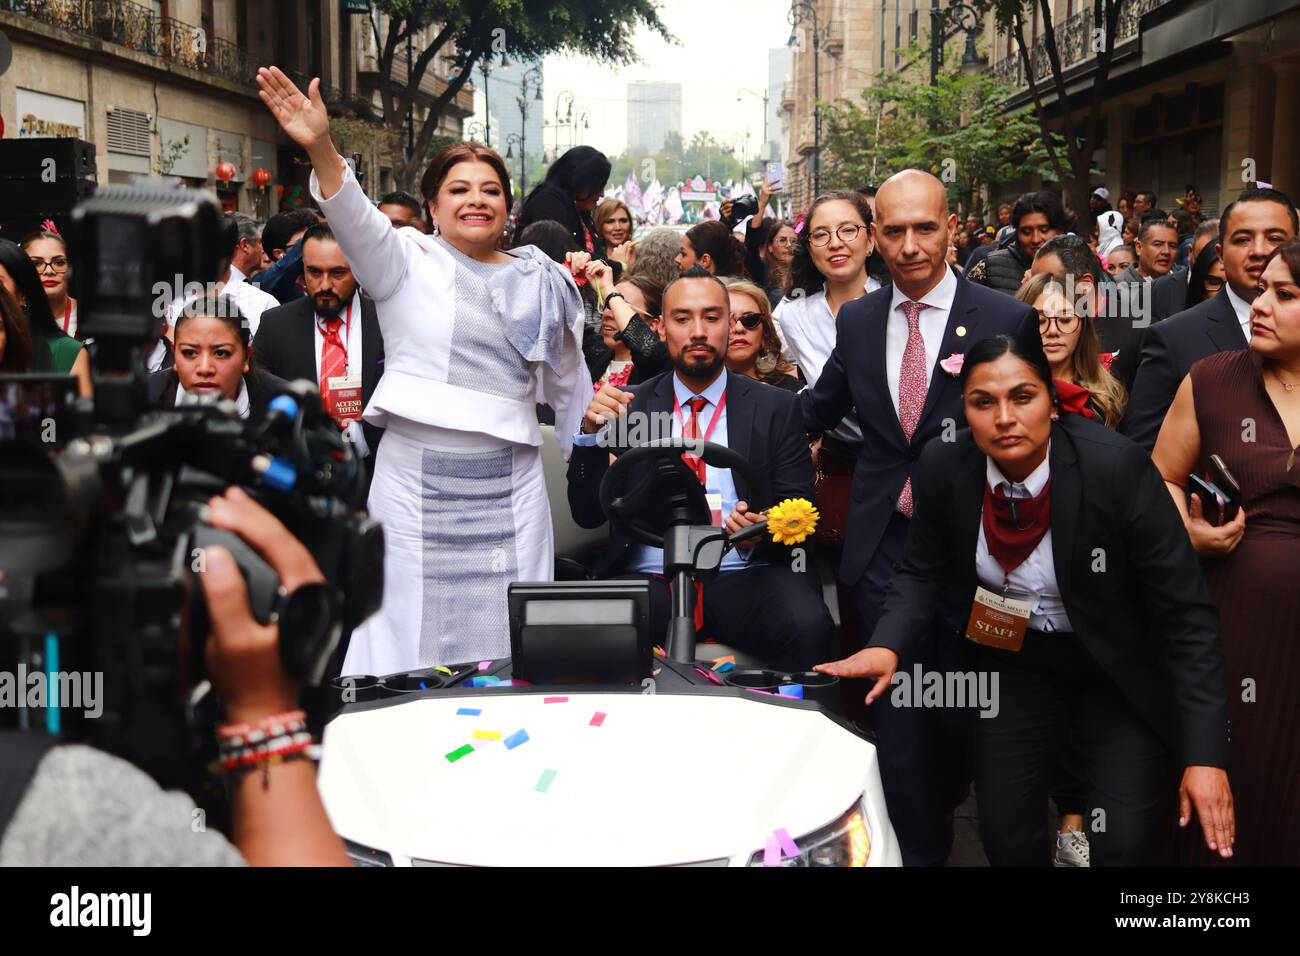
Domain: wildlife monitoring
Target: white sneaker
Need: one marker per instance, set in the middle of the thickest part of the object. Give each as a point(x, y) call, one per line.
point(1071, 849)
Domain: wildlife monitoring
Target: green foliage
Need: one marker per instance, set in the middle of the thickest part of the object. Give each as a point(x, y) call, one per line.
point(957, 129)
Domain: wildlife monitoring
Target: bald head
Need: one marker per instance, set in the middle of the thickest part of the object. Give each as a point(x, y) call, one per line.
point(912, 189)
point(912, 230)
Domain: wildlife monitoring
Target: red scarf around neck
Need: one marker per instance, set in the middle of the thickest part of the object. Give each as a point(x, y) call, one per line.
point(1012, 538)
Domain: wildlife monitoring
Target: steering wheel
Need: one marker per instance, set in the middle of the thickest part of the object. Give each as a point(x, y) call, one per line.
point(663, 491)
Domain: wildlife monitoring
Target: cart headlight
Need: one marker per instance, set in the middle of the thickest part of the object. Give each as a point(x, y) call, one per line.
point(846, 842)
point(365, 856)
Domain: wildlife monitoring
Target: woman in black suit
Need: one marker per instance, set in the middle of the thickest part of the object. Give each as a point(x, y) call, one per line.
point(214, 357)
point(1112, 632)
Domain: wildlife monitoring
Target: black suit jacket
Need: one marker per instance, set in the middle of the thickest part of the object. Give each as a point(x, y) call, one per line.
point(763, 424)
point(285, 345)
point(262, 387)
point(855, 377)
point(1169, 295)
point(1131, 584)
point(1169, 351)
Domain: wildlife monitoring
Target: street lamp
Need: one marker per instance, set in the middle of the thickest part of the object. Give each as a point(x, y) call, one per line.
point(802, 12)
point(740, 93)
point(511, 140)
point(563, 104)
point(582, 122)
point(958, 17)
point(531, 80)
point(476, 128)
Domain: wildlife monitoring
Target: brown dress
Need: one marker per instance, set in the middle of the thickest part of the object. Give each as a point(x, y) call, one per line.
point(1257, 589)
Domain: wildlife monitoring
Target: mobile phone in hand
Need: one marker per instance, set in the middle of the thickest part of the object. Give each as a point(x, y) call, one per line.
point(776, 175)
point(1213, 501)
point(1227, 485)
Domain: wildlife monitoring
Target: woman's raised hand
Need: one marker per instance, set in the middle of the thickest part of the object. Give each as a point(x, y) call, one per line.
point(303, 118)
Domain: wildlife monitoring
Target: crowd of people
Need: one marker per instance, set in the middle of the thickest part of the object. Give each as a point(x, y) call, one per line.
point(999, 422)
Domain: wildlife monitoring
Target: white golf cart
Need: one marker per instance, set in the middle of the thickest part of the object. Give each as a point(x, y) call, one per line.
point(612, 752)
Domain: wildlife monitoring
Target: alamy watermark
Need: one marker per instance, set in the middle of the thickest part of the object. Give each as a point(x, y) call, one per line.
point(68, 690)
point(946, 689)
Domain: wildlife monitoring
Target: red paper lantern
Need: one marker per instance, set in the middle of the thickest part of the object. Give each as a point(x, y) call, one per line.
point(226, 171)
point(261, 178)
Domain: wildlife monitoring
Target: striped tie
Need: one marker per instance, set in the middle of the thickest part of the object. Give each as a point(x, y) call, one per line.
point(911, 388)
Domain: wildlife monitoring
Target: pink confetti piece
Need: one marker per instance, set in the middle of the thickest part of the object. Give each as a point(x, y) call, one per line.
point(788, 847)
point(772, 852)
point(597, 719)
point(555, 700)
point(484, 665)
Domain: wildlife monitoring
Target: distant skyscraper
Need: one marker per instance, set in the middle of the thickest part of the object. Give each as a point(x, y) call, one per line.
point(653, 111)
point(779, 61)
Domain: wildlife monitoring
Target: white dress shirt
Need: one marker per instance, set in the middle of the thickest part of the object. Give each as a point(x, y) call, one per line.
point(806, 327)
point(1035, 579)
point(251, 300)
point(242, 405)
point(1241, 307)
point(351, 329)
point(933, 321)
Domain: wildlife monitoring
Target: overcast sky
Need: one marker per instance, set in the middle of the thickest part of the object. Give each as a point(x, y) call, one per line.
point(723, 46)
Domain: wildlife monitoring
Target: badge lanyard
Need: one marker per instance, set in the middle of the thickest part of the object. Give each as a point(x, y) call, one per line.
point(677, 410)
point(347, 332)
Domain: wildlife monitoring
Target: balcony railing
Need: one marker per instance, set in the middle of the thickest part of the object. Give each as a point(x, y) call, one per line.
point(1073, 43)
point(136, 27)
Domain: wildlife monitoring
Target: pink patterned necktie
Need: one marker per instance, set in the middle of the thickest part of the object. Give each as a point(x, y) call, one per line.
point(911, 387)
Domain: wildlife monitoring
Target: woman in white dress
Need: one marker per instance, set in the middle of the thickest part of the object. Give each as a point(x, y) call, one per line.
point(474, 338)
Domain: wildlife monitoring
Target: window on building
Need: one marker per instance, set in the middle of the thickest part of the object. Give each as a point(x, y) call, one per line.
point(884, 5)
point(913, 23)
point(898, 34)
point(241, 23)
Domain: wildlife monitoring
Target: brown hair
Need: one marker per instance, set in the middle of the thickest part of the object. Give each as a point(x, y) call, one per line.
point(769, 364)
point(17, 356)
point(31, 237)
point(650, 290)
point(607, 209)
point(1288, 252)
point(1085, 364)
point(462, 152)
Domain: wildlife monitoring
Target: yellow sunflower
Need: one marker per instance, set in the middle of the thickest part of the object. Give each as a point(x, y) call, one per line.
point(792, 521)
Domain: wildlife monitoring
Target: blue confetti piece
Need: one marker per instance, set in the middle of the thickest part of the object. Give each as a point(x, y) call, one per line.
point(791, 690)
point(484, 681)
point(724, 667)
point(515, 739)
point(469, 712)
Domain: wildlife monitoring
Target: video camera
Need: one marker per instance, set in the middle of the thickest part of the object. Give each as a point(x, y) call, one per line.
point(102, 506)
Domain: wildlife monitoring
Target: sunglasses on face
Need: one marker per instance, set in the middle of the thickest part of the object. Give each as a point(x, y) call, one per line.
point(750, 320)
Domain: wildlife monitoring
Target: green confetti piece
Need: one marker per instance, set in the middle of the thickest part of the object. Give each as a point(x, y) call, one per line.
point(544, 784)
point(459, 752)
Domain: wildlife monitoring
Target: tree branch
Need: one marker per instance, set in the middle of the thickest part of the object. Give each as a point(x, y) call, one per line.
point(418, 68)
point(1018, 29)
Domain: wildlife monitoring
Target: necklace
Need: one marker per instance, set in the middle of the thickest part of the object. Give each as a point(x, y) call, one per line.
point(1289, 386)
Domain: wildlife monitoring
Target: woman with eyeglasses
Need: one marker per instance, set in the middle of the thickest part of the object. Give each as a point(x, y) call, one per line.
point(49, 254)
point(829, 268)
point(1084, 385)
point(1047, 546)
point(53, 351)
point(1206, 277)
point(629, 349)
point(754, 348)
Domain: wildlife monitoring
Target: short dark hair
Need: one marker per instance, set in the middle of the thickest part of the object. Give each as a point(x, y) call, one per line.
point(550, 237)
point(400, 198)
point(229, 236)
point(1151, 197)
point(321, 231)
point(1028, 346)
point(1077, 257)
point(694, 272)
point(1047, 203)
point(713, 238)
point(1258, 194)
point(868, 191)
point(1154, 222)
point(1154, 214)
point(221, 307)
point(280, 227)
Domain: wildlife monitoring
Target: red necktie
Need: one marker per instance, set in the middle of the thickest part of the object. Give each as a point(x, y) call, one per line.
point(911, 387)
point(333, 354)
point(692, 430)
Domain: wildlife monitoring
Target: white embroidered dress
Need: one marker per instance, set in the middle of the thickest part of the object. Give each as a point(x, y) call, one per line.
point(470, 349)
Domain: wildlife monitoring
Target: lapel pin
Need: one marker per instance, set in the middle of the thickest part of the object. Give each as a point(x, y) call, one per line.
point(961, 331)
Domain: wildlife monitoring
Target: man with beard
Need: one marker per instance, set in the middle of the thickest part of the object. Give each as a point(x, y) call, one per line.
point(331, 337)
point(758, 602)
